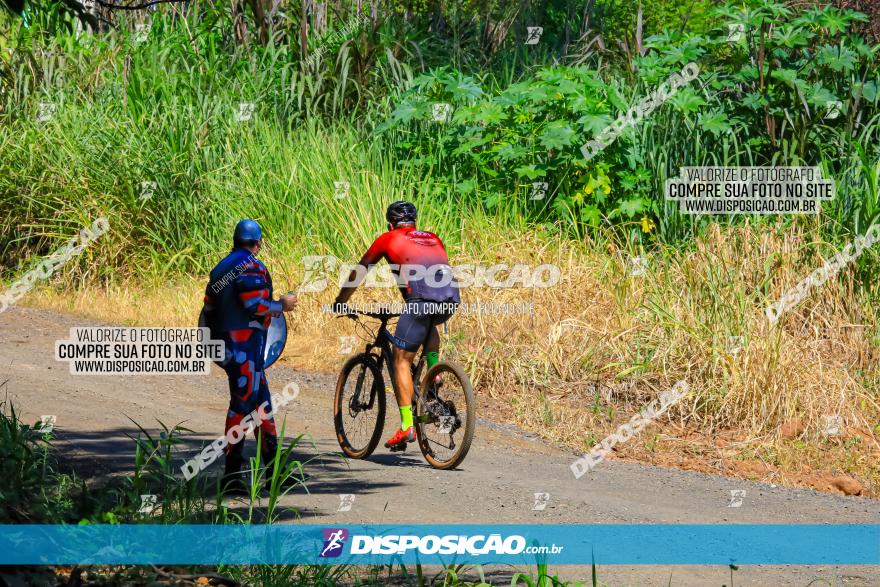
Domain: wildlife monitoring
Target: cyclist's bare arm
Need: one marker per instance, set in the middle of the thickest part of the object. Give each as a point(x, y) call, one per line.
point(371, 257)
point(348, 290)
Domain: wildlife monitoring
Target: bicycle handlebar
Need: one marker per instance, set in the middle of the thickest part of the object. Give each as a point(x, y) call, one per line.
point(383, 316)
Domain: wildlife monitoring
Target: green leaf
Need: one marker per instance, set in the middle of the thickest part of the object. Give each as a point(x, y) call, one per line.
point(429, 78)
point(489, 113)
point(792, 36)
point(820, 96)
point(835, 20)
point(507, 151)
point(754, 101)
point(585, 103)
point(617, 100)
point(407, 111)
point(514, 95)
point(530, 171)
point(786, 76)
point(715, 122)
point(539, 93)
point(595, 123)
point(870, 91)
point(466, 187)
point(628, 181)
point(837, 58)
point(566, 87)
point(632, 207)
point(493, 199)
point(557, 135)
point(463, 86)
point(687, 101)
point(591, 215)
point(683, 54)
point(471, 141)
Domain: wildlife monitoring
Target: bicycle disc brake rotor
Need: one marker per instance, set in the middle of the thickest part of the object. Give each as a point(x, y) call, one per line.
point(355, 405)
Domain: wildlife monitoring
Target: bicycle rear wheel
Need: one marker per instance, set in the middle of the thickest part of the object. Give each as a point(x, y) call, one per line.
point(359, 406)
point(445, 415)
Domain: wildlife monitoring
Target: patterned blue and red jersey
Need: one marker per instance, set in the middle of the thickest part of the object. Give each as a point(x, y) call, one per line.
point(239, 293)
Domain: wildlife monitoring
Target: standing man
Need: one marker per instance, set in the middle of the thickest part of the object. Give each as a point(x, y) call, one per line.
point(239, 308)
point(429, 290)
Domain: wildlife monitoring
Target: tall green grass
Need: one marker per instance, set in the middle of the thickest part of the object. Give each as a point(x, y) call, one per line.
point(166, 112)
point(86, 163)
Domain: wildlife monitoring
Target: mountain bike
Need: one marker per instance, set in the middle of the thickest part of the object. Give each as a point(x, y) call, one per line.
point(444, 411)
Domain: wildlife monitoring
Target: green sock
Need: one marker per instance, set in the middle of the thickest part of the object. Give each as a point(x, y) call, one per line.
point(432, 358)
point(405, 417)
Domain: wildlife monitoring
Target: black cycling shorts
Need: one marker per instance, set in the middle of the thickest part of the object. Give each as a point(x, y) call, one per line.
point(417, 318)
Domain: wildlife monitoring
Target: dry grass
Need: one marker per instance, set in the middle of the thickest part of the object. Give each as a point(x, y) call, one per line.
point(603, 343)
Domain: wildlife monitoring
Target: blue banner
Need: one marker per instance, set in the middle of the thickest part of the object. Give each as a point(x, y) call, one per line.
point(603, 544)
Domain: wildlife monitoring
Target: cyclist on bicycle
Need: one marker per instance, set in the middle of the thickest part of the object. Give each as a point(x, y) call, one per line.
point(430, 294)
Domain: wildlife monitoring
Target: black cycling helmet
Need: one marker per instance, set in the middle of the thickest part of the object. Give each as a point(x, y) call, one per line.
point(399, 212)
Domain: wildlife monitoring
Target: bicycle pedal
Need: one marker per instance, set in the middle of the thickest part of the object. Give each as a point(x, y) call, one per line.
point(398, 447)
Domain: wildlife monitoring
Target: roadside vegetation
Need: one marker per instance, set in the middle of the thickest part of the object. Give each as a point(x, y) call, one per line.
point(34, 491)
point(155, 131)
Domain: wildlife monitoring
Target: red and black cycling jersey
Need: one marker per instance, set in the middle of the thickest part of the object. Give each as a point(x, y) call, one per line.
point(407, 246)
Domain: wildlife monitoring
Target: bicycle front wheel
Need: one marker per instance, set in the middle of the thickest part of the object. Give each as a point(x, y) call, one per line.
point(445, 415)
point(359, 406)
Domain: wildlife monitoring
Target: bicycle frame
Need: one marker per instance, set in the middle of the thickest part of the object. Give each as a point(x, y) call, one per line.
point(385, 357)
point(435, 415)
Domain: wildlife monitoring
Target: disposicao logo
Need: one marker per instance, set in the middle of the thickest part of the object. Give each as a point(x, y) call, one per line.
point(491, 544)
point(334, 541)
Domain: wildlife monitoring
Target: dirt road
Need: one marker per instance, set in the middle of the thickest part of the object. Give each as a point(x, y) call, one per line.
point(497, 482)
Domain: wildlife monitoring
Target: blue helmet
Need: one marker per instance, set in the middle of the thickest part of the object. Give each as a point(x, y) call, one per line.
point(246, 231)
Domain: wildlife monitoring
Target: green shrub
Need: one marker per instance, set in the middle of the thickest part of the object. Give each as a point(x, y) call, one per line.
point(797, 89)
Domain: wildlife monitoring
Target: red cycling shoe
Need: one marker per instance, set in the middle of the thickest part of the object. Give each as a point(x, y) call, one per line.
point(401, 438)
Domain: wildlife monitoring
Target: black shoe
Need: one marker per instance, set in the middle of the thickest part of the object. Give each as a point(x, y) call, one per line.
point(232, 483)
